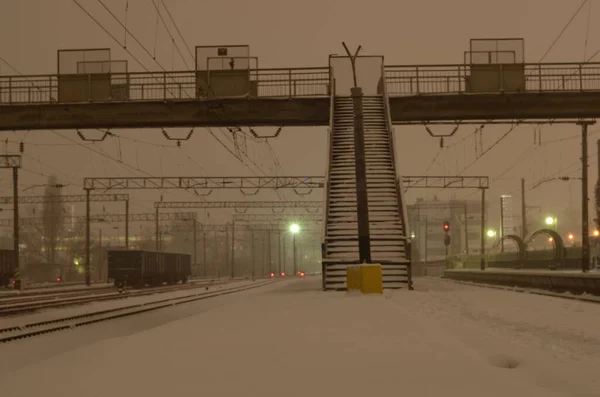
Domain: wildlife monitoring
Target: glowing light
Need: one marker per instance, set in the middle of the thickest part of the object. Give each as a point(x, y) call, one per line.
point(596, 233)
point(491, 233)
point(550, 220)
point(550, 239)
point(570, 236)
point(294, 228)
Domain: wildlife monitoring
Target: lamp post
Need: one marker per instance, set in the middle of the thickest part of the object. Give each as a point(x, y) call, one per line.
point(294, 229)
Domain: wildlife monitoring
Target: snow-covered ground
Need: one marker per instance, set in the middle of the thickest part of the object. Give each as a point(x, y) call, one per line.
point(290, 339)
point(63, 312)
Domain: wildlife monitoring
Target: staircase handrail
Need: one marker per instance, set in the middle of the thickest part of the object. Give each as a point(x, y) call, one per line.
point(329, 154)
point(399, 189)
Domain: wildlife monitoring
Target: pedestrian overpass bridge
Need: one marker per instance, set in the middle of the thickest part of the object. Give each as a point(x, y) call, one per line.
point(92, 91)
point(227, 88)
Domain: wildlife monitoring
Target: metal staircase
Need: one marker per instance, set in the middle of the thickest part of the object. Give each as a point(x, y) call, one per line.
point(387, 213)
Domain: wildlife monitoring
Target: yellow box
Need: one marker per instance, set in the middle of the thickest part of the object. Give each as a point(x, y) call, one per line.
point(353, 278)
point(371, 279)
point(365, 278)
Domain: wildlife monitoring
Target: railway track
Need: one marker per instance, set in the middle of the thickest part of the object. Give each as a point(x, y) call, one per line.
point(583, 298)
point(15, 333)
point(30, 304)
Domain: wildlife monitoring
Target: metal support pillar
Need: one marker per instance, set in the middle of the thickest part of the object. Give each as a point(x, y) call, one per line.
point(157, 231)
point(283, 263)
point(295, 264)
point(523, 211)
point(195, 238)
point(362, 203)
point(216, 270)
point(226, 246)
point(585, 227)
point(16, 244)
point(270, 265)
point(466, 231)
point(501, 225)
point(126, 224)
point(88, 255)
point(233, 249)
point(252, 252)
point(279, 253)
point(482, 259)
point(204, 254)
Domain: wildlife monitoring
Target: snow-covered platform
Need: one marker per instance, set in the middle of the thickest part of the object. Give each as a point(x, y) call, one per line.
point(570, 280)
point(291, 339)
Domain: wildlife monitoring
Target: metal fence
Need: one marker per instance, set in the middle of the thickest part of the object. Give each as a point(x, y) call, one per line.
point(314, 82)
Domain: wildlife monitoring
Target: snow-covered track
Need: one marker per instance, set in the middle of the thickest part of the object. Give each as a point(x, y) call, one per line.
point(15, 333)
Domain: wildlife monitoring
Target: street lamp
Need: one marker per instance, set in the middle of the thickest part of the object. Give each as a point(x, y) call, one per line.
point(550, 220)
point(294, 229)
point(491, 233)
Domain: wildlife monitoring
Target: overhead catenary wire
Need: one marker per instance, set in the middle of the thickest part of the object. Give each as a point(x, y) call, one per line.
point(564, 29)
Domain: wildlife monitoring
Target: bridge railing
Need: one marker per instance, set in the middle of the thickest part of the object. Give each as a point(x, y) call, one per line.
point(144, 86)
point(454, 79)
point(313, 82)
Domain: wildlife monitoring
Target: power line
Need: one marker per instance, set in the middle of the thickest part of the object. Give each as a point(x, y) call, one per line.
point(563, 31)
point(169, 33)
point(178, 31)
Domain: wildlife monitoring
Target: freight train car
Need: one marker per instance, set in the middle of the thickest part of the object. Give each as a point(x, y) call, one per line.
point(7, 269)
point(139, 268)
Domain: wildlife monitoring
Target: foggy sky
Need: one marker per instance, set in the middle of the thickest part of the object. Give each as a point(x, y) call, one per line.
point(293, 34)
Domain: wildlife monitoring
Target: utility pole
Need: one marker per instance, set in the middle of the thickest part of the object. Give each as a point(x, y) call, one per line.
point(466, 231)
point(157, 231)
point(482, 259)
point(252, 252)
point(204, 253)
point(195, 238)
point(270, 269)
point(88, 255)
point(501, 225)
point(362, 203)
point(232, 250)
point(126, 225)
point(585, 229)
point(279, 248)
point(14, 162)
point(524, 208)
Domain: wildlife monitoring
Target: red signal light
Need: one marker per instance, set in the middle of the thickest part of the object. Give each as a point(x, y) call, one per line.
point(272, 274)
point(282, 274)
point(446, 226)
point(58, 279)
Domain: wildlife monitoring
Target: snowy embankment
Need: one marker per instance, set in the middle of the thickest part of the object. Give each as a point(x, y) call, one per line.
point(291, 339)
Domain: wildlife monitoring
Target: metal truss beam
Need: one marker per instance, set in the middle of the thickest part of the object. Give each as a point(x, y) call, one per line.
point(238, 204)
point(277, 218)
point(210, 183)
point(445, 182)
point(249, 227)
point(10, 161)
point(111, 218)
point(434, 206)
point(74, 198)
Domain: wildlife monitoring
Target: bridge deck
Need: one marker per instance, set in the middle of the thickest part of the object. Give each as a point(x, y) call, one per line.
point(299, 96)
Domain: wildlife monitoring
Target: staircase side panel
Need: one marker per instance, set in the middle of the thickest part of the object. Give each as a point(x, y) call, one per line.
point(400, 191)
point(328, 172)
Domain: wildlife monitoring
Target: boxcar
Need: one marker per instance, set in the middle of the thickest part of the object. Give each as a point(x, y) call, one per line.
point(139, 268)
point(7, 270)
